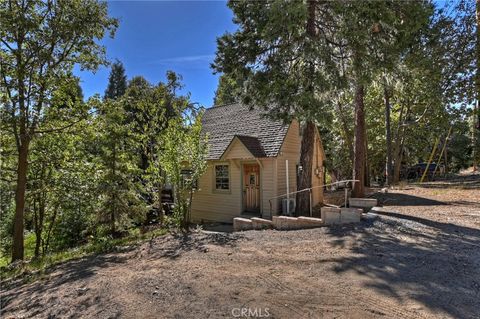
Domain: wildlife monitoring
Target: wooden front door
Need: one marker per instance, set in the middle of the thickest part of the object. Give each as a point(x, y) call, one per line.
point(251, 190)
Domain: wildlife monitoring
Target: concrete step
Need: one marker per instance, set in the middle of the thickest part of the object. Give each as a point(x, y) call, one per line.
point(240, 224)
point(291, 223)
point(285, 223)
point(261, 223)
point(310, 222)
point(331, 215)
point(364, 203)
point(350, 215)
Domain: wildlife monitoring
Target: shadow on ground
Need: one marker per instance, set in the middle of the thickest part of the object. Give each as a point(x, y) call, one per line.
point(185, 242)
point(68, 274)
point(439, 263)
point(471, 181)
point(73, 277)
point(399, 199)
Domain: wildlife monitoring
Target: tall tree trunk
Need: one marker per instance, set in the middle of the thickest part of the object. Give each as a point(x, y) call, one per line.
point(306, 162)
point(333, 179)
point(476, 110)
point(161, 214)
point(308, 138)
point(23, 143)
point(39, 211)
point(36, 227)
point(398, 148)
point(39, 225)
point(367, 166)
point(114, 193)
point(388, 138)
point(399, 158)
point(346, 129)
point(50, 229)
point(445, 159)
point(359, 143)
point(22, 169)
point(474, 137)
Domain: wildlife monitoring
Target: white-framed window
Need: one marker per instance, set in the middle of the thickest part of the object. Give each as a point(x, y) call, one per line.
point(222, 177)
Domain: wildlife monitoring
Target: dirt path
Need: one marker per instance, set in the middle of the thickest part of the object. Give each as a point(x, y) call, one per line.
point(421, 261)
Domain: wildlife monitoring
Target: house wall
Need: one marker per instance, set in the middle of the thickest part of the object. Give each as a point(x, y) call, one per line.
point(213, 205)
point(290, 151)
point(268, 186)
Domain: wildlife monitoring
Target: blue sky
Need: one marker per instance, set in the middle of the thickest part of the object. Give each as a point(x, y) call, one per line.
point(156, 36)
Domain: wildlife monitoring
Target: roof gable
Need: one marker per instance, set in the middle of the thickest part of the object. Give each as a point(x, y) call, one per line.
point(243, 147)
point(263, 137)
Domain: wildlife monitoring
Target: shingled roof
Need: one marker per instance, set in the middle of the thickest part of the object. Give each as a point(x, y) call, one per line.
point(262, 136)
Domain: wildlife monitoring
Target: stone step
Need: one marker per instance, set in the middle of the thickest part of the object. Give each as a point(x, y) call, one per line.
point(240, 224)
point(285, 223)
point(331, 215)
point(310, 222)
point(291, 223)
point(261, 223)
point(365, 203)
point(350, 215)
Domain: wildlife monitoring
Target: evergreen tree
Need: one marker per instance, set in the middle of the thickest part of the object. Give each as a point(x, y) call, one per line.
point(228, 90)
point(149, 109)
point(296, 56)
point(118, 186)
point(286, 61)
point(117, 81)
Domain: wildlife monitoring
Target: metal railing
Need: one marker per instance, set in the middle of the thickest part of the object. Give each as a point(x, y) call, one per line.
point(343, 182)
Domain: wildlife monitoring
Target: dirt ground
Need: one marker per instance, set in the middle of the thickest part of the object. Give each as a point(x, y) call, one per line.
point(421, 259)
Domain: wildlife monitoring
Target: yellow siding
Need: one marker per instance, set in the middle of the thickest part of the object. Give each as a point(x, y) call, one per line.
point(267, 173)
point(237, 150)
point(212, 205)
point(290, 151)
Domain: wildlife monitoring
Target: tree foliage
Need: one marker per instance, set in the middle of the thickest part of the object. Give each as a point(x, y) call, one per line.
point(228, 90)
point(41, 41)
point(117, 82)
point(184, 161)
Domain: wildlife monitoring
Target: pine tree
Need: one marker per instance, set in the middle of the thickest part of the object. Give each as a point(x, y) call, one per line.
point(118, 183)
point(277, 50)
point(228, 90)
point(117, 81)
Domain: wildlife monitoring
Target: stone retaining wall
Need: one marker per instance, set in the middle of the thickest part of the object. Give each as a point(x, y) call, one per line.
point(330, 216)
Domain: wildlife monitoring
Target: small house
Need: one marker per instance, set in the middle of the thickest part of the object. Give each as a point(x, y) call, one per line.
point(252, 162)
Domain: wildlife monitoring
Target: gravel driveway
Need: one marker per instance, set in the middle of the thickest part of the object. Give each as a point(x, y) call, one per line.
point(419, 259)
